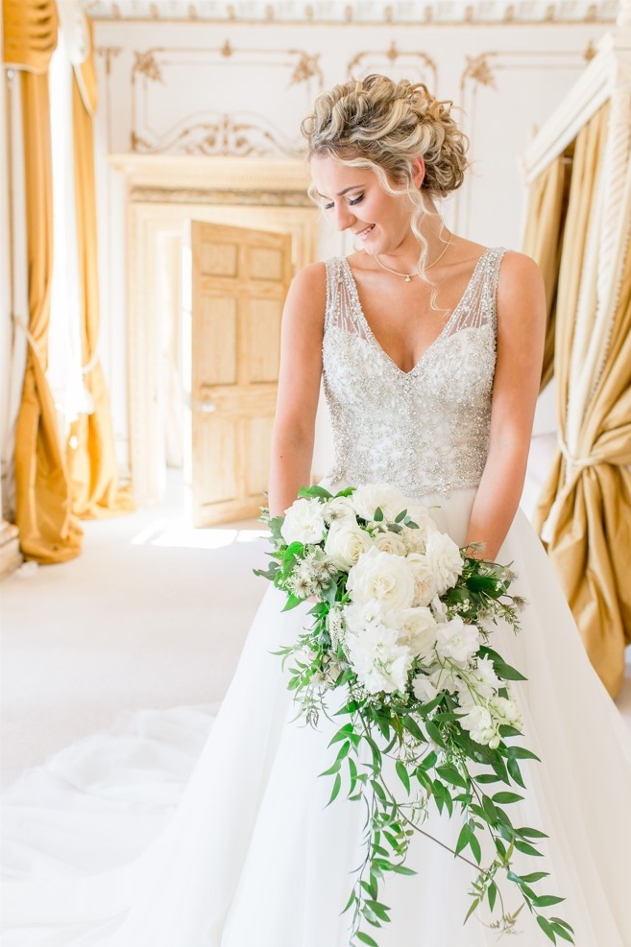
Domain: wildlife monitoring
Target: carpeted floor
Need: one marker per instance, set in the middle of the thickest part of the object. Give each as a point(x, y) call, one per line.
point(152, 614)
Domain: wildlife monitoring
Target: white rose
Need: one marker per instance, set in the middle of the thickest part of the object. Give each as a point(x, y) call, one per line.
point(304, 522)
point(418, 630)
point(346, 542)
point(383, 577)
point(418, 537)
point(390, 542)
point(457, 640)
point(480, 725)
point(413, 539)
point(424, 578)
point(388, 499)
point(339, 508)
point(446, 561)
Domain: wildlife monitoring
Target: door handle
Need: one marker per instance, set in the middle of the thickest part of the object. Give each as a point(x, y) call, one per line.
point(206, 407)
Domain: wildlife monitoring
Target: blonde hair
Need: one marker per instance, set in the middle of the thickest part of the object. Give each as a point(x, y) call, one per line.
point(382, 125)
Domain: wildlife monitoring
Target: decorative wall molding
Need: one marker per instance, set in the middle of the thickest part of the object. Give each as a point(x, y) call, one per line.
point(192, 128)
point(327, 12)
point(418, 66)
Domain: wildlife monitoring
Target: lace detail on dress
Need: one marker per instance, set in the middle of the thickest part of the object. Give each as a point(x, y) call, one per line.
point(427, 430)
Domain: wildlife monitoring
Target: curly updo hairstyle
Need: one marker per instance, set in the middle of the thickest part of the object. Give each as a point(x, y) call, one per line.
point(384, 125)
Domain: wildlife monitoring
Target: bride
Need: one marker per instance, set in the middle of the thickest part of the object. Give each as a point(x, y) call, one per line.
point(430, 347)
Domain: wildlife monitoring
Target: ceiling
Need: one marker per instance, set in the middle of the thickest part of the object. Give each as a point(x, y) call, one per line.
point(359, 11)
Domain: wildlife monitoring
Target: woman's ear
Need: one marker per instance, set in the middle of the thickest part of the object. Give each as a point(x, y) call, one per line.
point(417, 167)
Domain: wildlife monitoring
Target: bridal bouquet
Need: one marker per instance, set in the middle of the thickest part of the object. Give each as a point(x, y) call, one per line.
point(402, 620)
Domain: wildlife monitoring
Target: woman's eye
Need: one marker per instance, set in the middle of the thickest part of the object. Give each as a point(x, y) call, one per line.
point(328, 205)
point(356, 200)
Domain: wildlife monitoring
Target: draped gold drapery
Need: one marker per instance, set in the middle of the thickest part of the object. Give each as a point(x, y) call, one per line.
point(48, 531)
point(584, 513)
point(543, 240)
point(91, 457)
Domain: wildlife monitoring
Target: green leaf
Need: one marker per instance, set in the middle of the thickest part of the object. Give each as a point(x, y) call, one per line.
point(463, 838)
point(412, 727)
point(378, 515)
point(508, 731)
point(435, 733)
point(492, 894)
point(474, 905)
point(475, 848)
point(336, 788)
point(350, 902)
point(561, 932)
point(315, 491)
point(534, 876)
point(531, 833)
point(451, 775)
point(292, 602)
point(401, 516)
point(428, 761)
point(503, 798)
point(403, 775)
point(521, 753)
point(546, 900)
point(403, 870)
point(381, 910)
point(488, 778)
point(332, 769)
point(526, 848)
point(515, 773)
point(342, 734)
point(546, 927)
point(366, 939)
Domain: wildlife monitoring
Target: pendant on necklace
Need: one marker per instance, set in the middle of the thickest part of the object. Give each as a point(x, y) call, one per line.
point(408, 279)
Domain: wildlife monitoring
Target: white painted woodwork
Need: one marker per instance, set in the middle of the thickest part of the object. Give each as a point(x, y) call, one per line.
point(239, 281)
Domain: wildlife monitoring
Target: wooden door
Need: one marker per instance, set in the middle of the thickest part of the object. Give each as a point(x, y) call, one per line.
point(239, 282)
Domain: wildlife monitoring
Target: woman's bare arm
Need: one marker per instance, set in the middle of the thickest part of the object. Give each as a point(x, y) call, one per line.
point(521, 313)
point(298, 387)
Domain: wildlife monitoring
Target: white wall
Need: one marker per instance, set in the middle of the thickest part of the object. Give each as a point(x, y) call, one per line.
point(242, 88)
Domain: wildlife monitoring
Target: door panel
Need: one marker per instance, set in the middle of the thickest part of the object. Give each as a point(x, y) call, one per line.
point(239, 282)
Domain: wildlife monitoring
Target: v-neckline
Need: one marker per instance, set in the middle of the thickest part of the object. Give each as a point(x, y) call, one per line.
point(371, 335)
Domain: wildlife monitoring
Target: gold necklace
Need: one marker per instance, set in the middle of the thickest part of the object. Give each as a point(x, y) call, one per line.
point(408, 277)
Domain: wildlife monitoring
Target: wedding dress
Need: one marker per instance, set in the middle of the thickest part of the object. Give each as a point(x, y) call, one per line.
point(114, 843)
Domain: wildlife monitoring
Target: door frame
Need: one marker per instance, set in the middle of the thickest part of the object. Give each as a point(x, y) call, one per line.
point(162, 192)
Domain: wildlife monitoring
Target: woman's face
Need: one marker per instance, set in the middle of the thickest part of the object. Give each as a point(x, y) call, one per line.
point(353, 199)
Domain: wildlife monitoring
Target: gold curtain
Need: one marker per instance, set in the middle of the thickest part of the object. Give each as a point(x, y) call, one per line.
point(48, 531)
point(543, 240)
point(91, 456)
point(584, 511)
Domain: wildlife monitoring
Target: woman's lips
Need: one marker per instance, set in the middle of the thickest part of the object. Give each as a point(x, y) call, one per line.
point(362, 234)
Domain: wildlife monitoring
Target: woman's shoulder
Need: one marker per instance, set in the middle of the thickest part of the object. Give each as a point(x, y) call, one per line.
point(518, 273)
point(520, 288)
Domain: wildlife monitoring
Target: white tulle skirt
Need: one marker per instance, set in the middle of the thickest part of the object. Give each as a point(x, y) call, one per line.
point(177, 831)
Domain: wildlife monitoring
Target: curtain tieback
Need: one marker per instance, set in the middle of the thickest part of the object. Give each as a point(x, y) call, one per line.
point(574, 464)
point(32, 341)
point(577, 463)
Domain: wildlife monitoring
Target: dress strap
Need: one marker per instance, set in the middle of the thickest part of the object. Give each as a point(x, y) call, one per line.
point(342, 305)
point(478, 305)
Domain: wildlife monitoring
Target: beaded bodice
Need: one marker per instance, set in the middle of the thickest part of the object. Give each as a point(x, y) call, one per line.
point(426, 430)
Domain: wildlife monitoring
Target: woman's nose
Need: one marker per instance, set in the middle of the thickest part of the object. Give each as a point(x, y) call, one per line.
point(344, 217)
